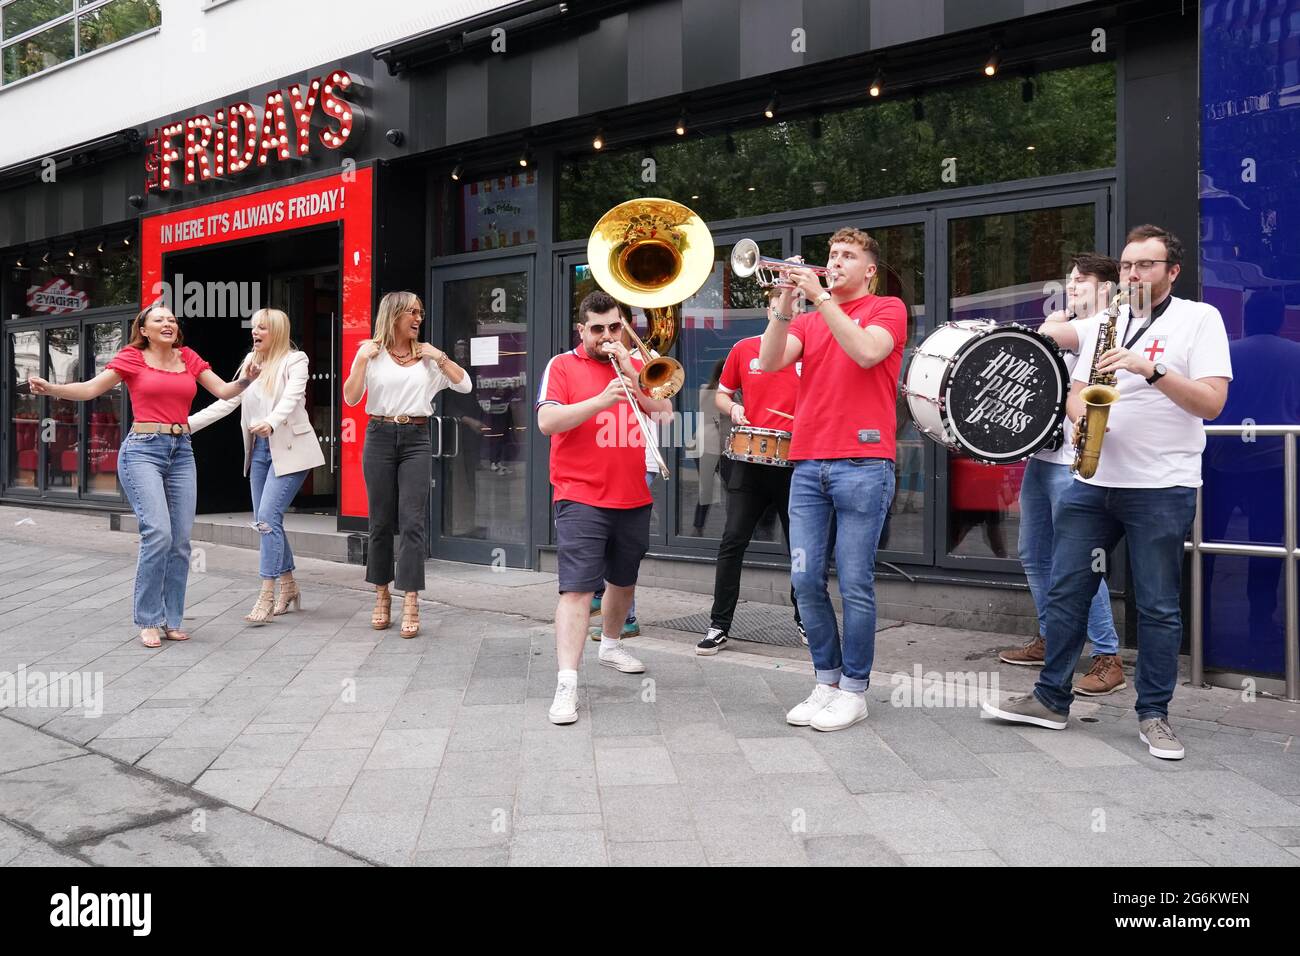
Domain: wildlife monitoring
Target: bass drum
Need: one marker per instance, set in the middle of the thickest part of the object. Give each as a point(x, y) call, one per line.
point(994, 393)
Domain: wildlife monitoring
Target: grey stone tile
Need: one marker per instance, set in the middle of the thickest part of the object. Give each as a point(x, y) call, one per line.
point(488, 727)
point(656, 814)
point(558, 821)
point(382, 837)
point(1075, 749)
point(13, 842)
point(1221, 842)
point(812, 804)
point(390, 791)
point(259, 750)
point(242, 787)
point(956, 858)
point(557, 791)
point(425, 710)
point(640, 766)
point(917, 823)
point(745, 835)
point(408, 749)
point(322, 768)
point(1282, 836)
point(466, 856)
point(148, 723)
point(467, 822)
point(1277, 772)
point(551, 848)
point(864, 763)
point(477, 773)
point(675, 853)
point(622, 720)
point(782, 755)
point(310, 810)
point(726, 778)
point(181, 764)
point(558, 748)
point(45, 856)
point(849, 850)
point(22, 746)
point(699, 738)
point(346, 731)
point(77, 799)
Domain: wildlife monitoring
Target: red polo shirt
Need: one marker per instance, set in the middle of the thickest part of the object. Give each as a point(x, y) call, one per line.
point(600, 462)
point(763, 390)
point(845, 410)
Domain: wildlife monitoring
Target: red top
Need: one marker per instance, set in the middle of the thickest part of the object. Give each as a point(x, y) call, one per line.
point(763, 390)
point(848, 411)
point(602, 461)
point(156, 394)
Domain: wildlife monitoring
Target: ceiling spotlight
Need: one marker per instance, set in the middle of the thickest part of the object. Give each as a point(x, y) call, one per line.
point(599, 141)
point(72, 253)
point(455, 173)
point(100, 247)
point(126, 240)
point(680, 128)
point(877, 84)
point(770, 109)
point(991, 64)
point(19, 263)
point(1030, 148)
point(46, 258)
point(525, 157)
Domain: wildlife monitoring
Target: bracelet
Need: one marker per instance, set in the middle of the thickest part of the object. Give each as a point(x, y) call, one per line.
point(777, 315)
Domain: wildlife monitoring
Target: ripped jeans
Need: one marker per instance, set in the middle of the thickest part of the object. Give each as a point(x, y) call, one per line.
point(272, 495)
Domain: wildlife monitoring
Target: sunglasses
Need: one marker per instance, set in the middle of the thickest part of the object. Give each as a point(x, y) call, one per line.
point(419, 312)
point(614, 329)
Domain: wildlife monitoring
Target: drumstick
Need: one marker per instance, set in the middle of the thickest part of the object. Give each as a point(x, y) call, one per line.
point(782, 414)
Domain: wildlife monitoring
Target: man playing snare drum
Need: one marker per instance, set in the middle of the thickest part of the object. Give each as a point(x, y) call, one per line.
point(752, 487)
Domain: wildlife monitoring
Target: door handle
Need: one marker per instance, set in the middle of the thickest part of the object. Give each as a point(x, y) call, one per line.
point(455, 426)
point(438, 429)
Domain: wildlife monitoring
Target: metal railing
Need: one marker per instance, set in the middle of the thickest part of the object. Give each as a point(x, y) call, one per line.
point(1288, 552)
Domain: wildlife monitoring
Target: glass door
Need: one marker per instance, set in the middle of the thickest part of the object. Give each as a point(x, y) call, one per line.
point(1004, 262)
point(480, 505)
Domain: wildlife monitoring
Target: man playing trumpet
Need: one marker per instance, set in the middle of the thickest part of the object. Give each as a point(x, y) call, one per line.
point(602, 504)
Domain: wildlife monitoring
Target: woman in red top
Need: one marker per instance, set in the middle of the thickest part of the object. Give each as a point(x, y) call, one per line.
point(156, 464)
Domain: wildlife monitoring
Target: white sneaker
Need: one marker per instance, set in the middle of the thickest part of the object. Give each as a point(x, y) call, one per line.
point(844, 710)
point(564, 709)
point(802, 714)
point(620, 660)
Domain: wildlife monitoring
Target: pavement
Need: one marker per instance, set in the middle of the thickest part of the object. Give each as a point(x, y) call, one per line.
point(317, 740)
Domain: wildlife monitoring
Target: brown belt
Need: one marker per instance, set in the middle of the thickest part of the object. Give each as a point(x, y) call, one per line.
point(403, 419)
point(159, 428)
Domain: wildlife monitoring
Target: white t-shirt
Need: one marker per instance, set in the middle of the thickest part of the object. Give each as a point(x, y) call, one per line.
point(1065, 454)
point(1152, 443)
point(393, 390)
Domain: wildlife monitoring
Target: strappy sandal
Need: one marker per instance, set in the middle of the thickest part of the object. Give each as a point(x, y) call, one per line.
point(289, 594)
point(411, 614)
point(261, 612)
point(382, 616)
point(151, 636)
point(175, 634)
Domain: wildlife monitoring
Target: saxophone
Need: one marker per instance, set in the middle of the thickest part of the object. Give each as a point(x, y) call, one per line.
point(1098, 396)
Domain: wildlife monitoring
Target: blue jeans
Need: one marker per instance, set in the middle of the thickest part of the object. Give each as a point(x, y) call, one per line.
point(272, 495)
point(1155, 521)
point(1040, 497)
point(158, 475)
point(854, 493)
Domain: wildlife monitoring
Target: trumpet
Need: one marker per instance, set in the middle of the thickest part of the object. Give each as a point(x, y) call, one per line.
point(746, 261)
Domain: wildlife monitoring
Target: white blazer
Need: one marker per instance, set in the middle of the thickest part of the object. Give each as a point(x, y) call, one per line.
point(293, 441)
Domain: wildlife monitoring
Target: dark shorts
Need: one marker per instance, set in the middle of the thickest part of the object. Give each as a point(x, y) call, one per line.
point(595, 545)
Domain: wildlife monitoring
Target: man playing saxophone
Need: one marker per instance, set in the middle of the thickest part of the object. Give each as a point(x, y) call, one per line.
point(1172, 368)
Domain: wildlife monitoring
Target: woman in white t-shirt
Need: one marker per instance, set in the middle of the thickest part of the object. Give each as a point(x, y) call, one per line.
point(399, 375)
point(280, 450)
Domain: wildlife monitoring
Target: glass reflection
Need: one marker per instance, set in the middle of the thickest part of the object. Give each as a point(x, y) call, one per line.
point(105, 431)
point(63, 353)
point(24, 362)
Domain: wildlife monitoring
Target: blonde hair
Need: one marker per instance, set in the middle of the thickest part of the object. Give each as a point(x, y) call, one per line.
point(278, 348)
point(390, 307)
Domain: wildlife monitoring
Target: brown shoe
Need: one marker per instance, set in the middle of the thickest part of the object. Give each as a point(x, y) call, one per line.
point(1030, 655)
point(1106, 677)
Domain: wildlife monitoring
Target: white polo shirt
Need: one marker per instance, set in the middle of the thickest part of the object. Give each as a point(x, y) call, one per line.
point(1152, 443)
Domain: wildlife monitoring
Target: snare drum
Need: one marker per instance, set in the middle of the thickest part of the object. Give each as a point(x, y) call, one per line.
point(994, 393)
point(759, 446)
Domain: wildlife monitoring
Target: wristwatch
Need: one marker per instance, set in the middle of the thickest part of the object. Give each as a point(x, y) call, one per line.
point(1158, 374)
point(825, 296)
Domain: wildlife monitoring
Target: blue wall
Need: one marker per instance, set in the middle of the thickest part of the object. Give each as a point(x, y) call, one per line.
point(1250, 270)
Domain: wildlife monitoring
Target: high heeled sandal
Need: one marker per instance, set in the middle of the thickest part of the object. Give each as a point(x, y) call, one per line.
point(410, 615)
point(382, 616)
point(261, 612)
point(151, 636)
point(289, 594)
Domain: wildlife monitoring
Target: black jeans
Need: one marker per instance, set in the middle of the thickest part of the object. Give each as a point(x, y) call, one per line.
point(751, 490)
point(397, 463)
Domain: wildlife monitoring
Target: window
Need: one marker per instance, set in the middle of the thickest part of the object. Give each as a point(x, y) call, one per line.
point(495, 212)
point(40, 34)
point(963, 135)
point(65, 279)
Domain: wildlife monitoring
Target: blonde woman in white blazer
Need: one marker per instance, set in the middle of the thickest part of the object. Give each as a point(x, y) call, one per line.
point(280, 448)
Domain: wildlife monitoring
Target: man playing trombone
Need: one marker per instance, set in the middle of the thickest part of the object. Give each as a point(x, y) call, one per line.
point(602, 504)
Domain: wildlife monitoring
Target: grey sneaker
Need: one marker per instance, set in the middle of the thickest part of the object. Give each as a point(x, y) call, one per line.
point(1160, 739)
point(1025, 710)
